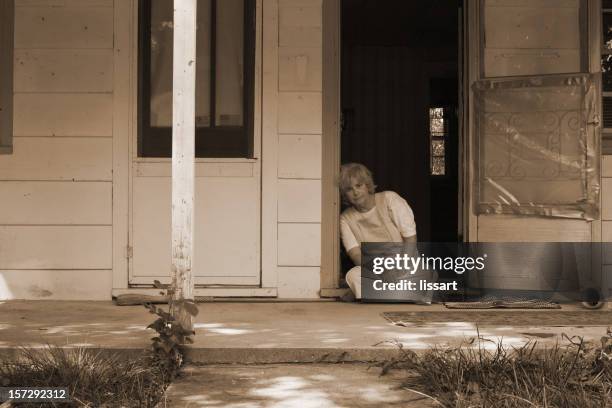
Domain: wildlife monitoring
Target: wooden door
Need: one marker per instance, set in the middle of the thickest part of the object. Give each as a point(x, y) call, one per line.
point(514, 39)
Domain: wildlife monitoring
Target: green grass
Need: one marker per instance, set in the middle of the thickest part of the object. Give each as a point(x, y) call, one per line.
point(94, 378)
point(572, 375)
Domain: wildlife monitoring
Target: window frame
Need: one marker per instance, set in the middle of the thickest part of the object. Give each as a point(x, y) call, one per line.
point(606, 132)
point(7, 24)
point(213, 141)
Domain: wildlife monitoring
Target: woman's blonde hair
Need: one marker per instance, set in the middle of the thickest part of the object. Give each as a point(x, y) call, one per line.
point(355, 171)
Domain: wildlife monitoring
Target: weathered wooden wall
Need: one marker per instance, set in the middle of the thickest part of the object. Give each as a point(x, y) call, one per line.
point(295, 143)
point(56, 212)
point(56, 187)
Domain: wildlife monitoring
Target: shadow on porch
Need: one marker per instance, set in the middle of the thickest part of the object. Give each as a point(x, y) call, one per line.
point(277, 332)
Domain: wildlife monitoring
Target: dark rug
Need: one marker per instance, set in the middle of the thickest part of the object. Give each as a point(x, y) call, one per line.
point(504, 304)
point(503, 318)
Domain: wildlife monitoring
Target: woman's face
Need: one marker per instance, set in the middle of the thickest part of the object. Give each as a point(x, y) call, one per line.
point(357, 194)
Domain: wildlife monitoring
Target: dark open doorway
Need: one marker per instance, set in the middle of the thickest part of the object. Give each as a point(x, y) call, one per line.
point(399, 99)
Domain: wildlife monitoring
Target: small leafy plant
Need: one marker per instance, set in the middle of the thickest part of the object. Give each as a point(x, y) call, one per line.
point(171, 334)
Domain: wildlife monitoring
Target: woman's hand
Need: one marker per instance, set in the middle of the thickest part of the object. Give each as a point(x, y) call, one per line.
point(412, 238)
point(410, 245)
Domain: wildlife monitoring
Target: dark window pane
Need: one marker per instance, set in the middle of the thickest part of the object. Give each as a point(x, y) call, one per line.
point(437, 148)
point(607, 112)
point(607, 31)
point(203, 45)
point(161, 63)
point(606, 70)
point(436, 121)
point(224, 78)
point(437, 166)
point(606, 144)
point(229, 63)
point(438, 131)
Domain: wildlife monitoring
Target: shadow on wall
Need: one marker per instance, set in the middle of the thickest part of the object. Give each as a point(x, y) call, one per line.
point(52, 284)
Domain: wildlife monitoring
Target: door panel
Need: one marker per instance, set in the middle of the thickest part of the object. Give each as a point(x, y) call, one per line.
point(531, 38)
point(226, 216)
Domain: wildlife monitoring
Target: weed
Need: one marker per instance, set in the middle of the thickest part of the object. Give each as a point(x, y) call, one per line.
point(575, 375)
point(94, 378)
point(104, 379)
point(170, 333)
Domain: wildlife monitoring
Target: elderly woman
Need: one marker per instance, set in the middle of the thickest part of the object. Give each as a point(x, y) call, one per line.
point(372, 217)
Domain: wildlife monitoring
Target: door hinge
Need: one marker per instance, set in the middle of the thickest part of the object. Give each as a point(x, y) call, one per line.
point(129, 252)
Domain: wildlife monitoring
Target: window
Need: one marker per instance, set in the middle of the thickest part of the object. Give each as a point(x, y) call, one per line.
point(532, 144)
point(7, 13)
point(224, 78)
point(438, 133)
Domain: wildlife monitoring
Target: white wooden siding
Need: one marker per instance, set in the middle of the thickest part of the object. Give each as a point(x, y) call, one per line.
point(299, 244)
point(298, 69)
point(48, 70)
point(56, 211)
point(300, 113)
point(62, 3)
point(92, 284)
point(63, 114)
point(299, 127)
point(58, 158)
point(298, 282)
point(59, 203)
point(64, 27)
point(299, 156)
point(299, 201)
point(300, 24)
point(55, 247)
point(66, 102)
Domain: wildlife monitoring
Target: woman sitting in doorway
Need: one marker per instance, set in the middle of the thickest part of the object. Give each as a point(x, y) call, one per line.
point(371, 217)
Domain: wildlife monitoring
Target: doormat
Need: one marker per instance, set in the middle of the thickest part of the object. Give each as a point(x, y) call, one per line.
point(503, 318)
point(504, 304)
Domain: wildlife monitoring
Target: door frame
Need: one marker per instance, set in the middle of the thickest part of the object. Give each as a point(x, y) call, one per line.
point(330, 217)
point(330, 211)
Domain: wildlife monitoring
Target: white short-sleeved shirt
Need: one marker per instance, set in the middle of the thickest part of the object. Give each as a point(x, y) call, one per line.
point(399, 211)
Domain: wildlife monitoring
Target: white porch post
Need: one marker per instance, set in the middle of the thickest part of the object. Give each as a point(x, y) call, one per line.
point(183, 152)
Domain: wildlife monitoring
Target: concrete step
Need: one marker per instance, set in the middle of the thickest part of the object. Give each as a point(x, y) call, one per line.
point(291, 385)
point(257, 333)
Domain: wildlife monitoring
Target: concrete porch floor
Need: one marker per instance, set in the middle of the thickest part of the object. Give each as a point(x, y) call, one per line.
point(267, 332)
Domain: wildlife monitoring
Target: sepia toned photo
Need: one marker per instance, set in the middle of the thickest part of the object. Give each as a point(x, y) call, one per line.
point(306, 203)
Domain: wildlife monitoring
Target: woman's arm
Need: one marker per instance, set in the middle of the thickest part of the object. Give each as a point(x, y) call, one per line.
point(412, 238)
point(355, 255)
